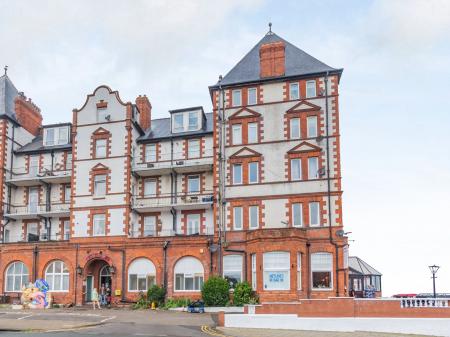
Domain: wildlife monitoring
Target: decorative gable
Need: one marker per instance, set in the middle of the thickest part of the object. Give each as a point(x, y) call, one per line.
point(305, 147)
point(101, 131)
point(304, 106)
point(244, 113)
point(100, 167)
point(245, 152)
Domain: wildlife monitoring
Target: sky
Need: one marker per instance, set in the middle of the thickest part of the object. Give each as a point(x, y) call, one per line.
point(395, 126)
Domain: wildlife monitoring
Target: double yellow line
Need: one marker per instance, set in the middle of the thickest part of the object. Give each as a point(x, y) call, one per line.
point(212, 332)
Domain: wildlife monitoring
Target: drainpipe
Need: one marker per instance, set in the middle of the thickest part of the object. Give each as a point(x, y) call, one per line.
point(165, 246)
point(308, 269)
point(4, 226)
point(35, 258)
point(243, 252)
point(327, 127)
point(122, 297)
point(76, 274)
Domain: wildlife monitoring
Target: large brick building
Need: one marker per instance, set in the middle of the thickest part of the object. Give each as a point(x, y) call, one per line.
point(251, 191)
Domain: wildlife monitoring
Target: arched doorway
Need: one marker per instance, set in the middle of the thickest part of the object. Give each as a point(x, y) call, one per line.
point(97, 272)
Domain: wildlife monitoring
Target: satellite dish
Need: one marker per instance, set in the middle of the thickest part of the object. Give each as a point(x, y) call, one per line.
point(213, 248)
point(340, 233)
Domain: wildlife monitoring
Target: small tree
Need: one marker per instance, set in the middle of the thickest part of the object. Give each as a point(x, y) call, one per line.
point(243, 293)
point(156, 294)
point(216, 291)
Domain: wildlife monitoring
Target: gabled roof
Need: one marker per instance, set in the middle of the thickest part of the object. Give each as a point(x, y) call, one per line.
point(304, 105)
point(8, 93)
point(245, 152)
point(359, 267)
point(244, 113)
point(297, 63)
point(304, 147)
point(37, 146)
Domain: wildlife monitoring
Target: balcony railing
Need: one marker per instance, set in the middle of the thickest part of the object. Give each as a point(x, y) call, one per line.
point(181, 201)
point(23, 211)
point(47, 173)
point(169, 232)
point(43, 237)
point(424, 303)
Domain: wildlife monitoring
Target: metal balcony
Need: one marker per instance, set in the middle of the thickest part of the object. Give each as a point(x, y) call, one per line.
point(182, 201)
point(36, 211)
point(21, 176)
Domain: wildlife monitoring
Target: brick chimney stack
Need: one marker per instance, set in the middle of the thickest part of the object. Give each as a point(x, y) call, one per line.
point(28, 114)
point(272, 59)
point(145, 109)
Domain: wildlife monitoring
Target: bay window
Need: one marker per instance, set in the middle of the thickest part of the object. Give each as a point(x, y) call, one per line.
point(232, 269)
point(299, 271)
point(321, 270)
point(276, 270)
point(253, 257)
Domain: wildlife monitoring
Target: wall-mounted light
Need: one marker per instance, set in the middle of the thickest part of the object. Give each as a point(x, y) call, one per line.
point(79, 270)
point(112, 269)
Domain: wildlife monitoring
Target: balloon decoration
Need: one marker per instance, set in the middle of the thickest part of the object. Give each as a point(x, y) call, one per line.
point(36, 296)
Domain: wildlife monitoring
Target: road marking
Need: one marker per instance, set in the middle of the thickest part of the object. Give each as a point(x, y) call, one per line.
point(25, 316)
point(212, 332)
point(107, 319)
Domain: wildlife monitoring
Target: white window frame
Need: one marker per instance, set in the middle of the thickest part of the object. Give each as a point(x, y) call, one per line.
point(66, 230)
point(194, 218)
point(236, 134)
point(322, 269)
point(313, 167)
point(196, 276)
point(295, 132)
point(67, 193)
point(69, 161)
point(98, 180)
point(63, 273)
point(250, 165)
point(252, 133)
point(291, 91)
point(63, 135)
point(140, 276)
point(237, 93)
point(230, 267)
point(235, 167)
point(101, 145)
point(150, 153)
point(280, 268)
point(97, 220)
point(178, 128)
point(56, 135)
point(311, 124)
point(254, 276)
point(194, 148)
point(255, 100)
point(300, 209)
point(299, 161)
point(253, 217)
point(149, 226)
point(238, 218)
point(23, 273)
point(299, 271)
point(150, 182)
point(193, 114)
point(311, 204)
point(49, 137)
point(311, 89)
point(190, 179)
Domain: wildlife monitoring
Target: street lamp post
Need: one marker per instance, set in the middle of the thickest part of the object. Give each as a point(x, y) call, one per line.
point(434, 269)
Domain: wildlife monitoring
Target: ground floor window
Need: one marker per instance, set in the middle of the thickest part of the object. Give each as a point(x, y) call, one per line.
point(141, 275)
point(57, 276)
point(232, 269)
point(16, 276)
point(254, 271)
point(276, 271)
point(189, 274)
point(322, 270)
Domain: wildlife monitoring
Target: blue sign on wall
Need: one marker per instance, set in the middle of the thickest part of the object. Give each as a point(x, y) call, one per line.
point(276, 277)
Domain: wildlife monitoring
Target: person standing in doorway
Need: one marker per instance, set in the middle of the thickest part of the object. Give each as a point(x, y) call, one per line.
point(95, 298)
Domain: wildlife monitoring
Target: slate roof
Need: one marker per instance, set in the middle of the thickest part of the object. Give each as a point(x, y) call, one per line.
point(359, 267)
point(8, 93)
point(161, 129)
point(297, 63)
point(37, 146)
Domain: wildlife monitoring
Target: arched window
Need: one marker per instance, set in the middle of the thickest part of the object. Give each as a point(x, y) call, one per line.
point(189, 274)
point(322, 271)
point(141, 275)
point(16, 276)
point(57, 276)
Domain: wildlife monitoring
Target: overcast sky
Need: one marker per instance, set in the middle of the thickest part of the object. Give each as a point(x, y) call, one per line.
point(394, 123)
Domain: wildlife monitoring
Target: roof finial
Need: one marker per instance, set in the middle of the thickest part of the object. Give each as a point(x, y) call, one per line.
point(6, 70)
point(270, 29)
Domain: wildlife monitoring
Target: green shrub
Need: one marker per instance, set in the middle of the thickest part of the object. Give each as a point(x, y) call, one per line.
point(216, 291)
point(142, 302)
point(243, 293)
point(177, 303)
point(156, 294)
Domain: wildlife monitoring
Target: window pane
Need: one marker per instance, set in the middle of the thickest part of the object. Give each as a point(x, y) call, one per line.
point(193, 184)
point(178, 122)
point(150, 153)
point(67, 193)
point(65, 285)
point(276, 270)
point(237, 134)
point(253, 172)
point(293, 91)
point(193, 120)
point(321, 279)
point(194, 148)
point(236, 98)
point(237, 174)
point(100, 185)
point(311, 126)
point(193, 221)
point(99, 224)
point(150, 226)
point(132, 282)
point(314, 215)
point(310, 89)
point(252, 132)
point(299, 271)
point(254, 214)
point(296, 170)
point(251, 96)
point(237, 217)
point(142, 283)
point(62, 135)
point(150, 187)
point(179, 282)
point(100, 148)
point(188, 283)
point(295, 127)
point(313, 168)
point(50, 138)
point(297, 215)
point(254, 271)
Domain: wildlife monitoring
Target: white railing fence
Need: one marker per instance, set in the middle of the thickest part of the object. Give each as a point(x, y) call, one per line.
point(424, 303)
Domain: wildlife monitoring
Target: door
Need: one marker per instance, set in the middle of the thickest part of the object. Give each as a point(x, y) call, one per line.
point(33, 200)
point(89, 286)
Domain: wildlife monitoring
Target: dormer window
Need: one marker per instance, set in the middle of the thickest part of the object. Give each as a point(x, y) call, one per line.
point(193, 121)
point(186, 121)
point(178, 122)
point(56, 136)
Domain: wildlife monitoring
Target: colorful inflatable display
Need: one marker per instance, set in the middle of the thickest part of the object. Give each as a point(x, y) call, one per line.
point(36, 296)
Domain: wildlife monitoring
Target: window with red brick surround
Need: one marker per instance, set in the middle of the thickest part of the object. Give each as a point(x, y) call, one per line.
point(188, 148)
point(98, 134)
point(244, 117)
point(184, 220)
point(245, 204)
point(245, 156)
point(244, 95)
point(144, 147)
point(158, 227)
point(304, 201)
point(185, 182)
point(302, 88)
point(302, 151)
point(90, 224)
point(100, 169)
point(141, 186)
point(302, 111)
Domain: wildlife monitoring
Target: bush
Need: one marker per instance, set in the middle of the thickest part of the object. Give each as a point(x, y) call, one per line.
point(156, 294)
point(177, 303)
point(243, 293)
point(142, 302)
point(216, 291)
